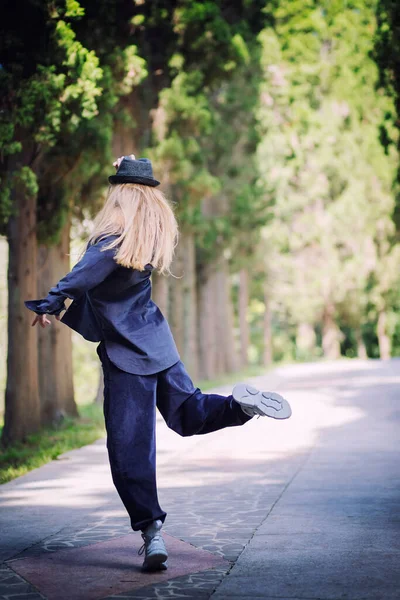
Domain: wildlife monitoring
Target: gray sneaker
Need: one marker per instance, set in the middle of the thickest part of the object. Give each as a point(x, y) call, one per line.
point(264, 404)
point(154, 547)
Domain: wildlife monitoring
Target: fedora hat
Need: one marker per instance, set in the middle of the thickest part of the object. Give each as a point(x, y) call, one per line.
point(134, 171)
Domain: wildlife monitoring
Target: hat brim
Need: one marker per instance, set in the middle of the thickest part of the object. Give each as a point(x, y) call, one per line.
point(133, 179)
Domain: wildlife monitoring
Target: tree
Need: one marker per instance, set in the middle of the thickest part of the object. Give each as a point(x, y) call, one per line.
point(324, 168)
point(387, 56)
point(191, 132)
point(52, 87)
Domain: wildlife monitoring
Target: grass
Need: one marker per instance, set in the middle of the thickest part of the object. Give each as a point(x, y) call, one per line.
point(49, 443)
point(46, 445)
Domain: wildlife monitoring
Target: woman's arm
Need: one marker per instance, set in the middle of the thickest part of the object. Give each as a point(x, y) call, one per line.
point(91, 270)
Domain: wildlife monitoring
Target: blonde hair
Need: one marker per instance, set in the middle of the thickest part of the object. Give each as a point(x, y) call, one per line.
point(144, 222)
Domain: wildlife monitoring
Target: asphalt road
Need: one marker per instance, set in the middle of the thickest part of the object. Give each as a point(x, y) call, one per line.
point(302, 509)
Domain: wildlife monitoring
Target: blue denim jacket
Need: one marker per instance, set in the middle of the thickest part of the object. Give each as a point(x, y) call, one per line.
point(113, 303)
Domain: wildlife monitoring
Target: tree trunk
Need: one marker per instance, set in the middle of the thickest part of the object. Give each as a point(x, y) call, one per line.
point(227, 359)
point(22, 406)
point(100, 388)
point(361, 347)
point(129, 140)
point(183, 303)
point(383, 337)
point(3, 313)
point(207, 338)
point(175, 298)
point(215, 322)
point(217, 291)
point(243, 323)
point(56, 385)
point(190, 346)
point(268, 355)
point(160, 291)
point(305, 340)
point(330, 334)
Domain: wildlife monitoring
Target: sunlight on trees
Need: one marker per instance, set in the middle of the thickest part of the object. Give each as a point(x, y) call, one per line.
point(273, 127)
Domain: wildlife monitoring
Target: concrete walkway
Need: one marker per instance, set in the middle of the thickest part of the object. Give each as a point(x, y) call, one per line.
point(303, 509)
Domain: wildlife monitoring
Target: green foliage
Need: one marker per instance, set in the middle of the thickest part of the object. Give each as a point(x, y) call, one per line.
point(67, 99)
point(326, 173)
point(240, 206)
point(60, 107)
point(74, 9)
point(196, 124)
point(47, 445)
point(27, 178)
point(209, 39)
point(274, 129)
point(202, 113)
point(387, 56)
point(186, 121)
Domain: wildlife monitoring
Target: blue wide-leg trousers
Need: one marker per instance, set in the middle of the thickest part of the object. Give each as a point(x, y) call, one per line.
point(130, 403)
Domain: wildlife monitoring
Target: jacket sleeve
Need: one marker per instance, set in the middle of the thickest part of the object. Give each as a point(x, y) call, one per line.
point(92, 269)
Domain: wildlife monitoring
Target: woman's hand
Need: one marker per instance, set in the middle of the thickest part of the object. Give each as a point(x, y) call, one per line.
point(43, 320)
point(120, 159)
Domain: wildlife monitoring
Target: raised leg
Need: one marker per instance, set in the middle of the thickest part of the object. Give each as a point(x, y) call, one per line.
point(188, 411)
point(129, 412)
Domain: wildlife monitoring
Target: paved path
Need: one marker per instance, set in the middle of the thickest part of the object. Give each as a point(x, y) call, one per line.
point(303, 509)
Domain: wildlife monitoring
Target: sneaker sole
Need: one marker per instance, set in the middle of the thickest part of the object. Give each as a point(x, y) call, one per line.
point(155, 562)
point(268, 404)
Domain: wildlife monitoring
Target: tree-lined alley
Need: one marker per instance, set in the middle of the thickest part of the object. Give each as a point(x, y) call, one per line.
point(273, 126)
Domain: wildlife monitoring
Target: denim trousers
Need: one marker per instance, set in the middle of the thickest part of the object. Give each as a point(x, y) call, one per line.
point(130, 403)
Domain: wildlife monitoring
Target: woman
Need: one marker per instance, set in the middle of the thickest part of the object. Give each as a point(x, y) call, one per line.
point(134, 233)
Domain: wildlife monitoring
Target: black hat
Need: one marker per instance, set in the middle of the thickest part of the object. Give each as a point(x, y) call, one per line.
point(134, 171)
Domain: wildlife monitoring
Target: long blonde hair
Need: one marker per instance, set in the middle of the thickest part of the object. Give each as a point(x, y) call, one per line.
point(144, 222)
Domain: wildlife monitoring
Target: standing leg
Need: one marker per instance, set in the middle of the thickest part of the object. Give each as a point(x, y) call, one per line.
point(129, 412)
point(188, 411)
